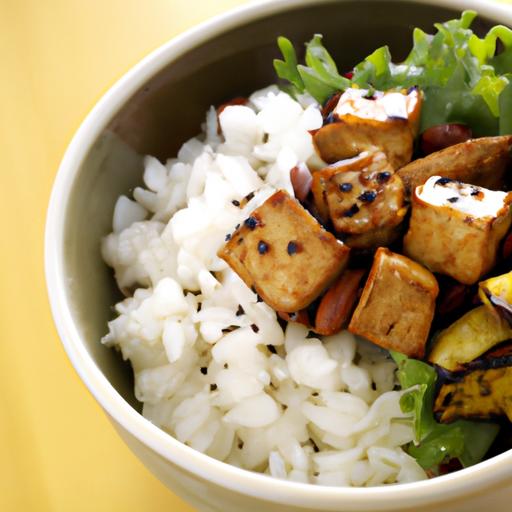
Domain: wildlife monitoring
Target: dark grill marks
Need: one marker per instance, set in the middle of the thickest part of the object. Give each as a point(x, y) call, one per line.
point(262, 247)
point(251, 222)
point(368, 196)
point(383, 177)
point(443, 181)
point(293, 247)
point(351, 211)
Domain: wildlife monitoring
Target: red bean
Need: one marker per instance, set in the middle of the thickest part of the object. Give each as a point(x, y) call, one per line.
point(239, 100)
point(301, 179)
point(330, 104)
point(337, 304)
point(444, 135)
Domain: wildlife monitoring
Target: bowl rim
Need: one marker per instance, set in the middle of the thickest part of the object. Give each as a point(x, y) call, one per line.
point(484, 475)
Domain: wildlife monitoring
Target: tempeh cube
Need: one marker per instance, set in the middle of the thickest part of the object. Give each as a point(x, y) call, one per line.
point(456, 228)
point(284, 254)
point(397, 304)
point(363, 198)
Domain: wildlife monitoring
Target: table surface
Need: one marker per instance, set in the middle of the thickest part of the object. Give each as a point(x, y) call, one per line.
point(58, 452)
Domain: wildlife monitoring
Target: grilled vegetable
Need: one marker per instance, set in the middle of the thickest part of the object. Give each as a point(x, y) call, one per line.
point(397, 304)
point(456, 229)
point(478, 394)
point(496, 292)
point(284, 253)
point(468, 338)
point(387, 121)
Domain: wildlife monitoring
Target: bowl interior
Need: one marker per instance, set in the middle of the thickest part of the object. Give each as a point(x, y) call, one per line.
point(169, 109)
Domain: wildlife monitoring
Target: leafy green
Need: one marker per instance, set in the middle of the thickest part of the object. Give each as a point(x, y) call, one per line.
point(435, 442)
point(462, 77)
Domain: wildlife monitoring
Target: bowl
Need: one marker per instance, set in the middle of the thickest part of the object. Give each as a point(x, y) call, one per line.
point(154, 108)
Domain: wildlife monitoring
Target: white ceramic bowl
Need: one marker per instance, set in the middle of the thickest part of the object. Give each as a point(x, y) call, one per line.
point(173, 86)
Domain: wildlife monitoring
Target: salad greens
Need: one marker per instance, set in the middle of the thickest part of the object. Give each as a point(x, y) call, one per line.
point(462, 79)
point(435, 442)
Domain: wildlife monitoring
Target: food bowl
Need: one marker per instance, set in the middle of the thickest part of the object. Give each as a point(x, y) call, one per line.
point(154, 108)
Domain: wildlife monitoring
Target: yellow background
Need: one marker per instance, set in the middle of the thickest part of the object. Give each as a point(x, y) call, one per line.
point(58, 452)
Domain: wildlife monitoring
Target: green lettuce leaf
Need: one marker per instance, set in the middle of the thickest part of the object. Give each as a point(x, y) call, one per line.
point(462, 78)
point(436, 442)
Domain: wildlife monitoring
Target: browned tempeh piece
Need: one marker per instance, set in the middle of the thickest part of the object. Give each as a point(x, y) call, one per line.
point(480, 162)
point(285, 254)
point(397, 304)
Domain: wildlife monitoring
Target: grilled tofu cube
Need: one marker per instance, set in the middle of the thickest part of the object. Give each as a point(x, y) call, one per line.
point(284, 254)
point(388, 121)
point(455, 228)
point(397, 304)
point(363, 198)
point(480, 162)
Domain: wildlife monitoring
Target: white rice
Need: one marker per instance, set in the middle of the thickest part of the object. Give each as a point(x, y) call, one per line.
point(319, 411)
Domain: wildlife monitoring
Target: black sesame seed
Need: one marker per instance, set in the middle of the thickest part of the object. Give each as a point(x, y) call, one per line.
point(315, 393)
point(351, 211)
point(382, 177)
point(227, 238)
point(262, 247)
point(368, 196)
point(204, 370)
point(226, 366)
point(240, 311)
point(235, 202)
point(249, 196)
point(272, 349)
point(346, 187)
point(292, 248)
point(251, 222)
point(213, 387)
point(255, 328)
point(443, 181)
point(453, 199)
